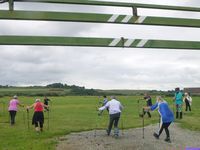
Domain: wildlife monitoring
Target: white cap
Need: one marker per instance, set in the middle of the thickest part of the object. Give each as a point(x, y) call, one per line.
point(15, 97)
point(37, 100)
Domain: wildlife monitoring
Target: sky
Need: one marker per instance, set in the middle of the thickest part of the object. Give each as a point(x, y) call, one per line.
point(101, 68)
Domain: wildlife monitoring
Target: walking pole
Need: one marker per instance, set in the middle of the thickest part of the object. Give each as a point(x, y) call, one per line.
point(28, 118)
point(122, 126)
point(95, 130)
point(143, 124)
point(138, 107)
point(48, 119)
point(3, 107)
point(23, 116)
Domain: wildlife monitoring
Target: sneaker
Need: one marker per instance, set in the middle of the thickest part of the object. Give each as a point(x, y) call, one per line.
point(107, 132)
point(116, 136)
point(168, 140)
point(156, 135)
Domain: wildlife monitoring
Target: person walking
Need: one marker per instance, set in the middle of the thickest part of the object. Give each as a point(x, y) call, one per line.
point(105, 100)
point(188, 101)
point(38, 116)
point(115, 108)
point(167, 117)
point(46, 102)
point(179, 102)
point(148, 100)
point(12, 108)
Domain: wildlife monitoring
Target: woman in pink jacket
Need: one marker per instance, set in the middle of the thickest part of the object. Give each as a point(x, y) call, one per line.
point(12, 108)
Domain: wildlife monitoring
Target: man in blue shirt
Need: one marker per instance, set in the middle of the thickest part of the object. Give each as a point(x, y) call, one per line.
point(178, 97)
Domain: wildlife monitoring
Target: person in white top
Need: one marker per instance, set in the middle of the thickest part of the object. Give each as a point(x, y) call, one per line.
point(115, 108)
point(188, 101)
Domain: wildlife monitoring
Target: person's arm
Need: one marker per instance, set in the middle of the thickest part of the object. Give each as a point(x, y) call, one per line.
point(121, 107)
point(104, 107)
point(152, 108)
point(47, 106)
point(22, 105)
point(30, 107)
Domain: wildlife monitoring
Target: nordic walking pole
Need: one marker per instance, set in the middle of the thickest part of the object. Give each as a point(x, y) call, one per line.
point(49, 114)
point(3, 107)
point(28, 118)
point(143, 124)
point(122, 125)
point(23, 115)
point(138, 107)
point(48, 120)
point(95, 131)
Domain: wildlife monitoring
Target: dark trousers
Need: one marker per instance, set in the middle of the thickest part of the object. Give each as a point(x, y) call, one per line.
point(40, 123)
point(114, 119)
point(38, 119)
point(149, 114)
point(187, 105)
point(165, 126)
point(12, 116)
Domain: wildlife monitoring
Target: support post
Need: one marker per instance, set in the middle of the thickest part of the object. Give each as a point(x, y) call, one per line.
point(135, 13)
point(123, 42)
point(11, 5)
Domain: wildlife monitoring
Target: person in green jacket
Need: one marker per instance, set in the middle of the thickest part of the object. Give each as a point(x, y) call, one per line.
point(178, 97)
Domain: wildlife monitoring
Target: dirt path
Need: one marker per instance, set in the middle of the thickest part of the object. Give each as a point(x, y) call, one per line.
point(131, 139)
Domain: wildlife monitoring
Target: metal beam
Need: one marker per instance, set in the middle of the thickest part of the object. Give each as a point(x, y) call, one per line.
point(118, 4)
point(98, 42)
point(98, 18)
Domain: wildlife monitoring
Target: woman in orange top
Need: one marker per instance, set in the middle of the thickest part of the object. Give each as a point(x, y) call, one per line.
point(38, 116)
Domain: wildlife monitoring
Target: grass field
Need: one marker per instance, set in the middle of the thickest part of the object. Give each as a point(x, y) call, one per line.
point(73, 114)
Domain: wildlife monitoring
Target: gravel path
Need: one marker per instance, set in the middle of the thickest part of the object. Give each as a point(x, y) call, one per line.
point(130, 139)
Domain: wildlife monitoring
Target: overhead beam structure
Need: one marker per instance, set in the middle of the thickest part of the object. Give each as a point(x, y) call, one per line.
point(98, 42)
point(98, 18)
point(12, 14)
point(118, 4)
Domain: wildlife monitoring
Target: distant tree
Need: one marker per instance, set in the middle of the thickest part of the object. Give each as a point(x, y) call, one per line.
point(55, 85)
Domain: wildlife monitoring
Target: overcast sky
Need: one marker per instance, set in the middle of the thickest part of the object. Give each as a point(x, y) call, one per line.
point(103, 68)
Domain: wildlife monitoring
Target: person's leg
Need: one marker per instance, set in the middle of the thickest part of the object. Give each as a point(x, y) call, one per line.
point(36, 126)
point(187, 105)
point(166, 125)
point(110, 124)
point(41, 125)
point(116, 120)
point(149, 114)
point(161, 129)
point(190, 108)
point(11, 117)
point(177, 111)
point(14, 114)
point(180, 110)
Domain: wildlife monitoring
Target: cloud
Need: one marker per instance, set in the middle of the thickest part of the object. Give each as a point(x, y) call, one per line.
point(105, 68)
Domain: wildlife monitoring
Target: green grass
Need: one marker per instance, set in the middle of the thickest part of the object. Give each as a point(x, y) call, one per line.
point(73, 114)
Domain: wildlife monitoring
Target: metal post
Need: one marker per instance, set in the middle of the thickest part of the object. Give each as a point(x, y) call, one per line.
point(11, 5)
point(123, 41)
point(135, 13)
